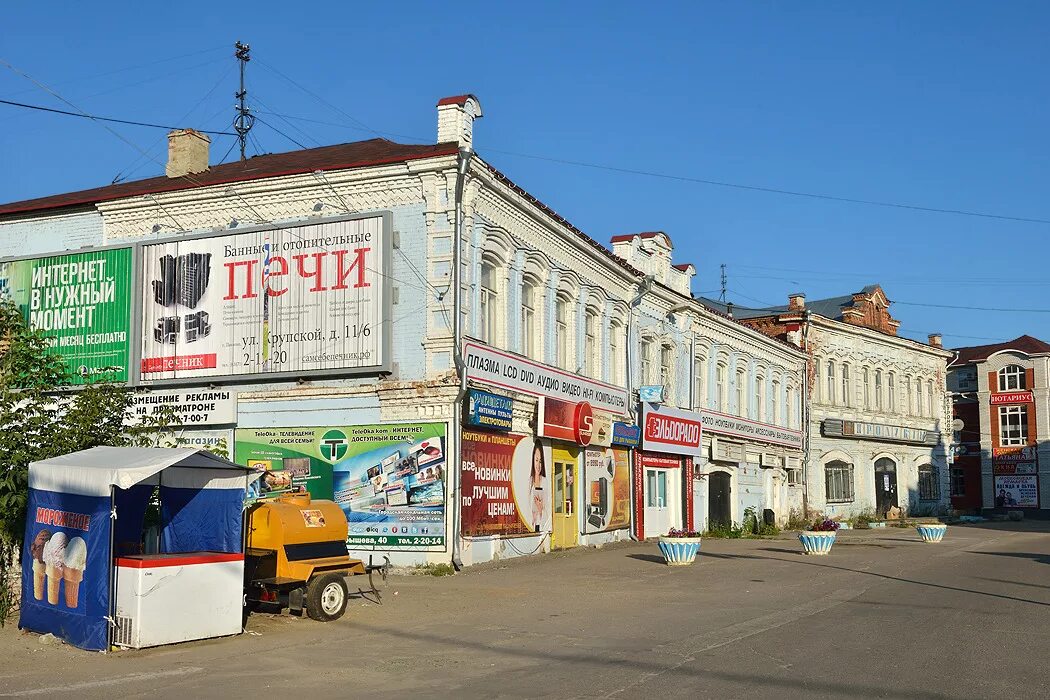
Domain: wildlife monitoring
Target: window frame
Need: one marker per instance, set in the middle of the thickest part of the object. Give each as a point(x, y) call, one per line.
point(699, 368)
point(562, 347)
point(929, 483)
point(529, 330)
point(741, 393)
point(844, 478)
point(1012, 374)
point(957, 482)
point(616, 363)
point(591, 323)
point(846, 399)
point(832, 388)
point(488, 302)
point(1018, 435)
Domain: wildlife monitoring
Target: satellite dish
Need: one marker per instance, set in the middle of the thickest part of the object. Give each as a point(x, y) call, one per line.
point(957, 424)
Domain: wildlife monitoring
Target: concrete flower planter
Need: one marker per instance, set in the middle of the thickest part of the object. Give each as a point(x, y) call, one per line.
point(932, 532)
point(679, 551)
point(817, 542)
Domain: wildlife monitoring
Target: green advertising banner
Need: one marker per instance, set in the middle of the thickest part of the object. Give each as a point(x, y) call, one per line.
point(82, 303)
point(389, 479)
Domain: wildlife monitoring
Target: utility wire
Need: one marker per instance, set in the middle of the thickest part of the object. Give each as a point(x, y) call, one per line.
point(271, 126)
point(360, 124)
point(974, 308)
point(84, 115)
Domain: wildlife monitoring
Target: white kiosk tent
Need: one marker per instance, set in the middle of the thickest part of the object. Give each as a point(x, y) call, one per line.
point(83, 529)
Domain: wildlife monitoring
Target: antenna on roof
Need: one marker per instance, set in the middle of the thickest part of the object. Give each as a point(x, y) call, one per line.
point(242, 124)
point(722, 296)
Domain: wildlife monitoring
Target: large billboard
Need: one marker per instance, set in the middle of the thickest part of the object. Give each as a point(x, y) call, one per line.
point(389, 479)
point(505, 485)
point(82, 303)
point(287, 301)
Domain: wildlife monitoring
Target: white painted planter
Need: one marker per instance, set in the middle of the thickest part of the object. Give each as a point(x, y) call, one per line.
point(679, 551)
point(932, 532)
point(816, 542)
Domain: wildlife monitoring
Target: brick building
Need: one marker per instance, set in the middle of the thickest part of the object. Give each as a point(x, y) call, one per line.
point(1001, 400)
point(877, 404)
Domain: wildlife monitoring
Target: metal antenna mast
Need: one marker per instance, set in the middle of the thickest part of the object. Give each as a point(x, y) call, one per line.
point(722, 298)
point(242, 124)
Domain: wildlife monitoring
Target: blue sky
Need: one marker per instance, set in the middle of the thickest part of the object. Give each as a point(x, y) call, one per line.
point(934, 104)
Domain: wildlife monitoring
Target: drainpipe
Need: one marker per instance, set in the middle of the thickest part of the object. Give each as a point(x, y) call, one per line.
point(645, 285)
point(462, 166)
point(804, 417)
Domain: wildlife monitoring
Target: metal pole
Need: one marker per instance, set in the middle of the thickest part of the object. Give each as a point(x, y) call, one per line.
point(244, 120)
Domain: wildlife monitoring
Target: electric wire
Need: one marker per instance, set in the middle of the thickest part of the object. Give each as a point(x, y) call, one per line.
point(85, 115)
point(271, 126)
point(293, 127)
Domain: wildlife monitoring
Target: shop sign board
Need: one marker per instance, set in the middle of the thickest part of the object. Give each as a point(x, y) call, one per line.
point(574, 422)
point(81, 302)
point(651, 393)
point(1019, 453)
point(506, 370)
point(485, 410)
point(626, 435)
point(1011, 398)
point(1017, 491)
point(189, 407)
point(607, 489)
point(670, 430)
point(504, 485)
point(389, 479)
point(291, 301)
point(734, 426)
point(658, 461)
point(833, 427)
point(1015, 468)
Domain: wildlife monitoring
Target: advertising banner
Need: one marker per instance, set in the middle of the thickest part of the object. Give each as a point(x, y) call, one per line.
point(65, 568)
point(82, 303)
point(1015, 468)
point(1017, 491)
point(503, 369)
point(300, 299)
point(485, 410)
point(574, 422)
point(191, 407)
point(389, 479)
point(607, 489)
point(722, 424)
point(1013, 454)
point(504, 487)
point(670, 430)
point(1011, 398)
point(626, 435)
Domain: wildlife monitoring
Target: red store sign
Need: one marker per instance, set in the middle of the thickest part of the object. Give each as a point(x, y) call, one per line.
point(670, 430)
point(1012, 397)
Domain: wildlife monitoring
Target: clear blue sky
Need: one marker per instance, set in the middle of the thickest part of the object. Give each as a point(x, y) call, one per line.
point(936, 104)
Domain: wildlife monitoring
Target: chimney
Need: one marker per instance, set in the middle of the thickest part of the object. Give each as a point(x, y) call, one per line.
point(796, 301)
point(187, 153)
point(456, 117)
point(935, 340)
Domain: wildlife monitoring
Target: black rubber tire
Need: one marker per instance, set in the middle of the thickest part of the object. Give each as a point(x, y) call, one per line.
point(326, 597)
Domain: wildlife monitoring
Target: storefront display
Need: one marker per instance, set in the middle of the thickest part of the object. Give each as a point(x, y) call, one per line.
point(607, 490)
point(504, 485)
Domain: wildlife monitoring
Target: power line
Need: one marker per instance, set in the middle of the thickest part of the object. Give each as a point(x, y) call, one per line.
point(104, 119)
point(271, 126)
point(320, 99)
point(974, 308)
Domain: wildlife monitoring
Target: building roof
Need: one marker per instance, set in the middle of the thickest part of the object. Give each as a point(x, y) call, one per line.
point(1025, 344)
point(625, 237)
point(828, 308)
point(343, 156)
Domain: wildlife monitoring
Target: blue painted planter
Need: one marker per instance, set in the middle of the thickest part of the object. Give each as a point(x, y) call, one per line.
point(932, 532)
point(816, 542)
point(679, 551)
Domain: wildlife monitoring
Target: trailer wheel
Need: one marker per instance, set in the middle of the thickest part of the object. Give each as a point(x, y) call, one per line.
point(326, 597)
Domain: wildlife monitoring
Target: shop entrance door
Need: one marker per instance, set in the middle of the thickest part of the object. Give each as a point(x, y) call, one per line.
point(564, 527)
point(662, 501)
point(719, 492)
point(885, 485)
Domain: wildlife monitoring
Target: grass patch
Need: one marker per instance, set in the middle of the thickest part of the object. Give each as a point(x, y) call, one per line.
point(434, 570)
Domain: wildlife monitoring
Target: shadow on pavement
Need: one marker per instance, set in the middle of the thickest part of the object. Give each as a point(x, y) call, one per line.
point(653, 558)
point(1038, 558)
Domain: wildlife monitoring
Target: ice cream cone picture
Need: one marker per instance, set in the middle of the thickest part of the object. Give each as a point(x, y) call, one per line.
point(54, 564)
point(36, 550)
point(73, 571)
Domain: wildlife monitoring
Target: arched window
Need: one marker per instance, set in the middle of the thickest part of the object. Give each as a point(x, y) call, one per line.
point(741, 394)
point(488, 305)
point(590, 343)
point(845, 385)
point(866, 381)
point(721, 376)
point(777, 415)
point(818, 383)
point(906, 397)
point(699, 368)
point(929, 486)
point(790, 403)
point(561, 332)
point(760, 397)
point(931, 403)
point(878, 390)
point(1011, 378)
point(616, 353)
point(918, 396)
point(892, 393)
point(530, 335)
point(838, 482)
point(647, 360)
point(830, 395)
point(667, 372)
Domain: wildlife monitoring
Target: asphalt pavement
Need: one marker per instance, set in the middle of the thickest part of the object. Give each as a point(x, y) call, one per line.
point(883, 616)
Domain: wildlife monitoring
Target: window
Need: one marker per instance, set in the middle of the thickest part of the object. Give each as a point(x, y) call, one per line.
point(1013, 425)
point(647, 361)
point(957, 481)
point(529, 336)
point(830, 395)
point(878, 390)
point(1011, 378)
point(561, 333)
point(760, 398)
point(845, 385)
point(487, 311)
point(776, 403)
point(892, 393)
point(906, 396)
point(838, 482)
point(666, 370)
point(931, 403)
point(929, 489)
point(818, 383)
point(720, 387)
point(590, 344)
point(918, 397)
point(866, 380)
point(741, 395)
point(616, 360)
point(794, 477)
point(790, 407)
point(698, 383)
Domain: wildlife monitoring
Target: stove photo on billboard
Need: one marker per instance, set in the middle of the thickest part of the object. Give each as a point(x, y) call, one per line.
point(183, 282)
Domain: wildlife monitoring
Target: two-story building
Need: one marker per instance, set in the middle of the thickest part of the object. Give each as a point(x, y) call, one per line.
point(877, 412)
